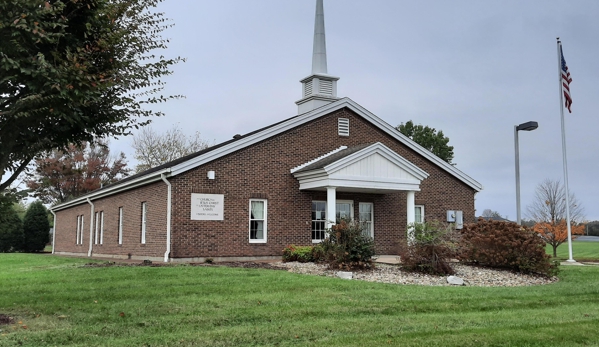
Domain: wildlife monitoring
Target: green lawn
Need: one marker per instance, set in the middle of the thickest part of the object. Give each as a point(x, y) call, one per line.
point(64, 304)
point(581, 251)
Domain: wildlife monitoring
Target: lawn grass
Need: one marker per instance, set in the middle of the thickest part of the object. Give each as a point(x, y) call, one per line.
point(64, 304)
point(581, 251)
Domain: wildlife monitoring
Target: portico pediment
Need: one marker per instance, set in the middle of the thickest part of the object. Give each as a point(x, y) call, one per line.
point(365, 168)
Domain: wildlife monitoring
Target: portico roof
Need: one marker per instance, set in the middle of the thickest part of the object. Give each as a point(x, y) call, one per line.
point(372, 168)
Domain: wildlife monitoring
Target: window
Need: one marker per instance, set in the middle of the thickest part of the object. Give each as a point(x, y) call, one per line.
point(101, 227)
point(143, 222)
point(97, 233)
point(344, 210)
point(319, 220)
point(120, 225)
point(258, 225)
point(79, 220)
point(419, 214)
point(366, 218)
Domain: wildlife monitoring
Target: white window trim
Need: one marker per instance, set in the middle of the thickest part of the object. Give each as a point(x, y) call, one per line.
point(264, 240)
point(97, 230)
point(371, 217)
point(78, 229)
point(81, 230)
point(312, 220)
point(101, 227)
point(421, 212)
point(120, 225)
point(144, 214)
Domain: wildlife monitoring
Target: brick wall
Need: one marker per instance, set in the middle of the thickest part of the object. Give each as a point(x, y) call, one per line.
point(261, 171)
point(154, 195)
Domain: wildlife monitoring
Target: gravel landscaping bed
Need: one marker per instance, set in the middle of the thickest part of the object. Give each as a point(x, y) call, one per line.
point(384, 273)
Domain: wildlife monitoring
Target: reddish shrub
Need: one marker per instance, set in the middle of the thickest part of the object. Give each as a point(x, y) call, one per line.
point(505, 245)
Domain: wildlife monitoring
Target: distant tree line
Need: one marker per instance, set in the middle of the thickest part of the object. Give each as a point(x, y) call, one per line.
point(30, 234)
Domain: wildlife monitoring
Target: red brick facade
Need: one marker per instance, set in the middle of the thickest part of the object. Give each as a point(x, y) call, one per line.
point(262, 171)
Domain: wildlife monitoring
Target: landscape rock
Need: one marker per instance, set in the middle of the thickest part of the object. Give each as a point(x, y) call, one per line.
point(345, 275)
point(455, 280)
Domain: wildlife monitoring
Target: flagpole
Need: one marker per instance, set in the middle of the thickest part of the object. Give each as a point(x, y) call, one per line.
point(564, 155)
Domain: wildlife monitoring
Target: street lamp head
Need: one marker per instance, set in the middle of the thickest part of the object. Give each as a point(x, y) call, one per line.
point(528, 126)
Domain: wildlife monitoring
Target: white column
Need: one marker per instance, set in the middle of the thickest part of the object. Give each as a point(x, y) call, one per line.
point(331, 206)
point(411, 213)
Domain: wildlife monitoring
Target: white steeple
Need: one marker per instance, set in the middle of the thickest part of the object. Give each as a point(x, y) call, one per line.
point(319, 88)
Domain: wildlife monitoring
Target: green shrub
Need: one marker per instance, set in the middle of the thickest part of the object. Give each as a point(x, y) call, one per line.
point(505, 245)
point(429, 248)
point(347, 247)
point(302, 254)
point(36, 228)
point(11, 230)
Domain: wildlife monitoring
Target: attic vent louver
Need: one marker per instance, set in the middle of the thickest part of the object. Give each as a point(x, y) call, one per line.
point(326, 87)
point(343, 126)
point(308, 88)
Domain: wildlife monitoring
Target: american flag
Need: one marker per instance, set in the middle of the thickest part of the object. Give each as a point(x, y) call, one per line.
point(566, 80)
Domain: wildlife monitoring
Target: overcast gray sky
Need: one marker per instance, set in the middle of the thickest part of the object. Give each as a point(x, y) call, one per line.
point(472, 69)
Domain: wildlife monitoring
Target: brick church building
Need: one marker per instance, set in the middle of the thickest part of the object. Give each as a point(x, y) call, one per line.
point(249, 197)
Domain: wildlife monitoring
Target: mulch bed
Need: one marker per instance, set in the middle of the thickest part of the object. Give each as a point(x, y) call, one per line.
point(5, 320)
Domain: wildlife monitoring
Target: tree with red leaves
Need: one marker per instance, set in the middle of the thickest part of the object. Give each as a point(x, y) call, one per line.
point(62, 175)
point(556, 233)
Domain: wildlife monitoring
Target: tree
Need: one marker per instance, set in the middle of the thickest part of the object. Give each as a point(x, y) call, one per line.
point(491, 214)
point(11, 227)
point(428, 138)
point(36, 228)
point(77, 170)
point(153, 149)
point(74, 71)
point(548, 210)
point(556, 234)
point(549, 204)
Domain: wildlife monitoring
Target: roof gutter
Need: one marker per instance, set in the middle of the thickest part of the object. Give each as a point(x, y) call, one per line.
point(168, 218)
point(53, 232)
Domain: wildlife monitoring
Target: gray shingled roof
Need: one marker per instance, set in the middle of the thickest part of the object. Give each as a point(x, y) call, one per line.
point(334, 157)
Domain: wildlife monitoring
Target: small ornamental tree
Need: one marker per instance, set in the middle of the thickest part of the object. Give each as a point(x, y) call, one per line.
point(556, 233)
point(11, 229)
point(36, 228)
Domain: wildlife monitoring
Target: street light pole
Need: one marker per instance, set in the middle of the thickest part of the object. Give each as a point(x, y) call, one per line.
point(528, 126)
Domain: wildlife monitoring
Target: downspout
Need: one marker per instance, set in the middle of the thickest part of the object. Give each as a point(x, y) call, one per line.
point(91, 228)
point(168, 219)
point(53, 232)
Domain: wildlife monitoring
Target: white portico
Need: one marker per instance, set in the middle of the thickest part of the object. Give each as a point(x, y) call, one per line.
point(368, 168)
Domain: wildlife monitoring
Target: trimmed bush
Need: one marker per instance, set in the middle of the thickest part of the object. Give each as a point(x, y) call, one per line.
point(429, 248)
point(347, 247)
point(302, 254)
point(11, 230)
point(36, 228)
point(505, 245)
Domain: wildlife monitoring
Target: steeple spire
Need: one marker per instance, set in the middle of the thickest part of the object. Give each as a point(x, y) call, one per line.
point(319, 57)
point(319, 88)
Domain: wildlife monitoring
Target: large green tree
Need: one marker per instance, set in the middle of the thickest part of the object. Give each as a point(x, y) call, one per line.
point(11, 227)
point(36, 228)
point(74, 71)
point(429, 138)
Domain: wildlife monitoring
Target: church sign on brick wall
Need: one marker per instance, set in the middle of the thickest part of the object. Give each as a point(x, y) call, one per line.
point(207, 206)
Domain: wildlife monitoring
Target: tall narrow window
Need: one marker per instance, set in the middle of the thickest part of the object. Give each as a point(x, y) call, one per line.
point(97, 233)
point(419, 213)
point(319, 219)
point(78, 229)
point(102, 227)
point(258, 221)
point(81, 231)
point(143, 221)
point(120, 225)
point(366, 218)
